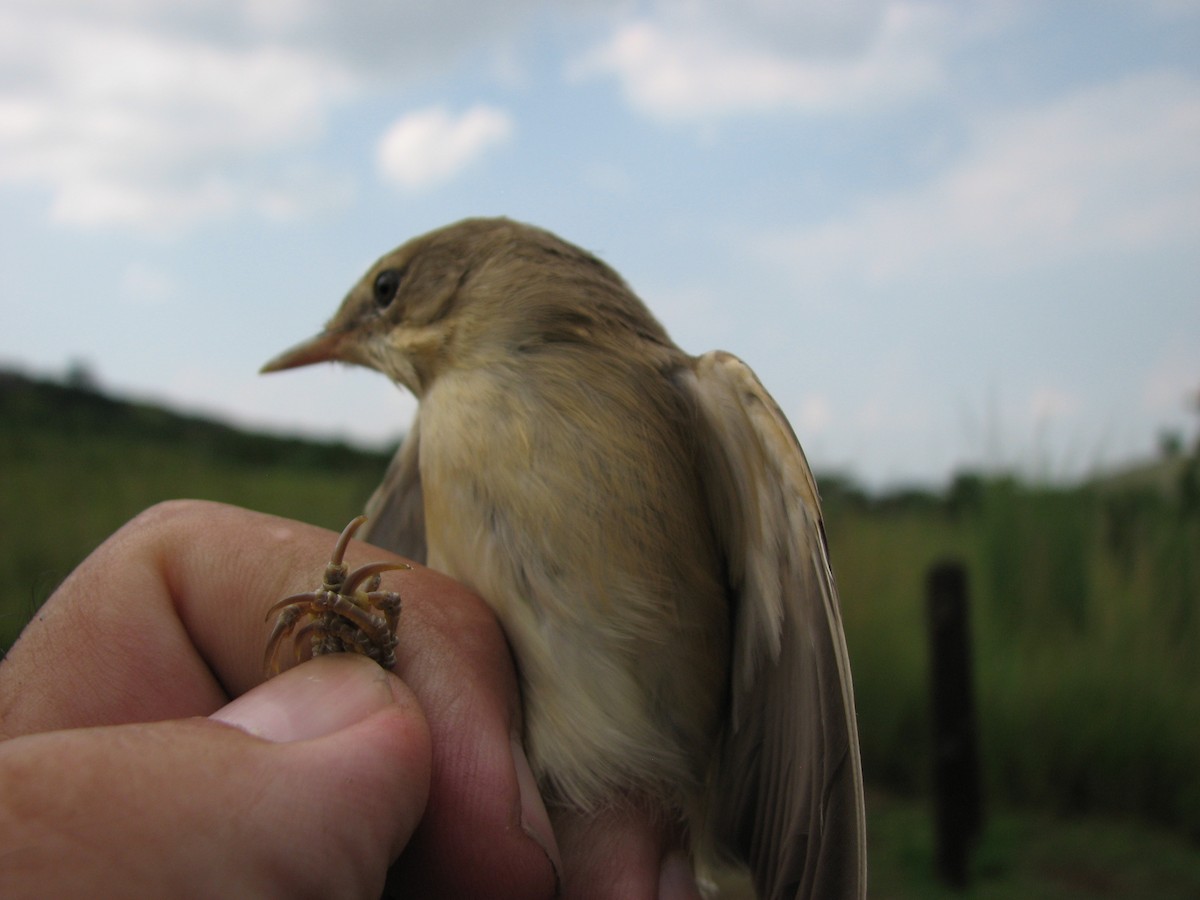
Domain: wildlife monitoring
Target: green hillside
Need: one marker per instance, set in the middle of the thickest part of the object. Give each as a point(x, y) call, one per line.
point(75, 464)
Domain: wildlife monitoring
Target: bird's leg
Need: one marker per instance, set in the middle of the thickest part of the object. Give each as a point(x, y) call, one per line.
point(348, 613)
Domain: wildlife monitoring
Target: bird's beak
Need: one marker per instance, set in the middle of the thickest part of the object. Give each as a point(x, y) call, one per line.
point(325, 347)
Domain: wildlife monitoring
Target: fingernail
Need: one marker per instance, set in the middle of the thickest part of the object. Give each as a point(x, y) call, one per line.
point(313, 699)
point(677, 879)
point(535, 821)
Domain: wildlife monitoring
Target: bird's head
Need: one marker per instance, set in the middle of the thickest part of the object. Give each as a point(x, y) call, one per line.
point(470, 294)
point(400, 318)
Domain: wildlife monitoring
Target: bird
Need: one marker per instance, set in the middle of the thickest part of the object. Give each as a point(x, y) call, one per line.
point(647, 530)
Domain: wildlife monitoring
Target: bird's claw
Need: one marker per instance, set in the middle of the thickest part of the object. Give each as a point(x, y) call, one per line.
point(347, 613)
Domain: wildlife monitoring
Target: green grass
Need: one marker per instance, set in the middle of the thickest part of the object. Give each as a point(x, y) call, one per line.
point(1086, 640)
point(1022, 854)
point(1084, 618)
point(74, 466)
point(1025, 855)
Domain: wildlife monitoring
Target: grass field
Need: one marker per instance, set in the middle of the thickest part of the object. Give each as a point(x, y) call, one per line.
point(1028, 855)
point(1084, 618)
point(74, 466)
point(1085, 634)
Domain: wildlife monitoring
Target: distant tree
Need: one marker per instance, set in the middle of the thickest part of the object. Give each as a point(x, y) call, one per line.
point(81, 376)
point(1195, 404)
point(839, 490)
point(1189, 478)
point(1170, 444)
point(966, 492)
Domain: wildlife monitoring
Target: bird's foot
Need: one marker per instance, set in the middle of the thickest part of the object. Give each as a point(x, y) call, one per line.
point(347, 613)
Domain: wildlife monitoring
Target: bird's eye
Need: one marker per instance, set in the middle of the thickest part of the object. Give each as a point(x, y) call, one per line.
point(387, 283)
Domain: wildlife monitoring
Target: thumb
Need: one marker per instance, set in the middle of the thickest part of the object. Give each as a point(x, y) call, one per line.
point(355, 744)
point(314, 793)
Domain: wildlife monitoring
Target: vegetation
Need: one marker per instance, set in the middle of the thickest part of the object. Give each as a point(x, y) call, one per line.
point(76, 464)
point(1084, 613)
point(1085, 635)
point(1029, 856)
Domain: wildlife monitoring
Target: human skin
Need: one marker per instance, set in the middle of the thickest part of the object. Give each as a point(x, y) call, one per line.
point(141, 751)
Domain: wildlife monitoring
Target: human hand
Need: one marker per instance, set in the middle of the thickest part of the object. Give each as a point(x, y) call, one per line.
point(318, 797)
point(104, 780)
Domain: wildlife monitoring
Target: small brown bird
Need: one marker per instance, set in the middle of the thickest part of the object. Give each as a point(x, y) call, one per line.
point(647, 530)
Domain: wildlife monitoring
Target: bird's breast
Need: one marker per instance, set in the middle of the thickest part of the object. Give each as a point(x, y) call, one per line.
point(572, 507)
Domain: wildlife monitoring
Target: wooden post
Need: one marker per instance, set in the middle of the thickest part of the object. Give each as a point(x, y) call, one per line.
point(958, 806)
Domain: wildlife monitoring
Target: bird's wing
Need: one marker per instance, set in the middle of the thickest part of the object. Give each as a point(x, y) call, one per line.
point(789, 796)
point(396, 511)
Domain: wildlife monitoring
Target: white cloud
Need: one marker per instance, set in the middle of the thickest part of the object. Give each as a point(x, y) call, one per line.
point(158, 116)
point(1110, 168)
point(126, 124)
point(699, 61)
point(431, 146)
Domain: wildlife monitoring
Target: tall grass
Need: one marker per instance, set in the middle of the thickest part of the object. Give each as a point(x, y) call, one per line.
point(74, 466)
point(1086, 637)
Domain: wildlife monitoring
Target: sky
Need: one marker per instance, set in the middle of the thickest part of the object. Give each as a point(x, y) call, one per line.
point(947, 236)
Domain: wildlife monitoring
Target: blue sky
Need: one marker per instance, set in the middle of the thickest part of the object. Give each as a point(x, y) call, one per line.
point(945, 235)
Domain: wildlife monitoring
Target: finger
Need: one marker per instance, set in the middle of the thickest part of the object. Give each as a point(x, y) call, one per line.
point(163, 620)
point(166, 618)
point(200, 808)
point(486, 806)
point(343, 699)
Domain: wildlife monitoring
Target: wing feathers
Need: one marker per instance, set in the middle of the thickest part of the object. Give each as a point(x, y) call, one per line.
point(396, 511)
point(789, 791)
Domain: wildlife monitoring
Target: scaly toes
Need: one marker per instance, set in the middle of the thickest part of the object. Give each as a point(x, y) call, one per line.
point(342, 611)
